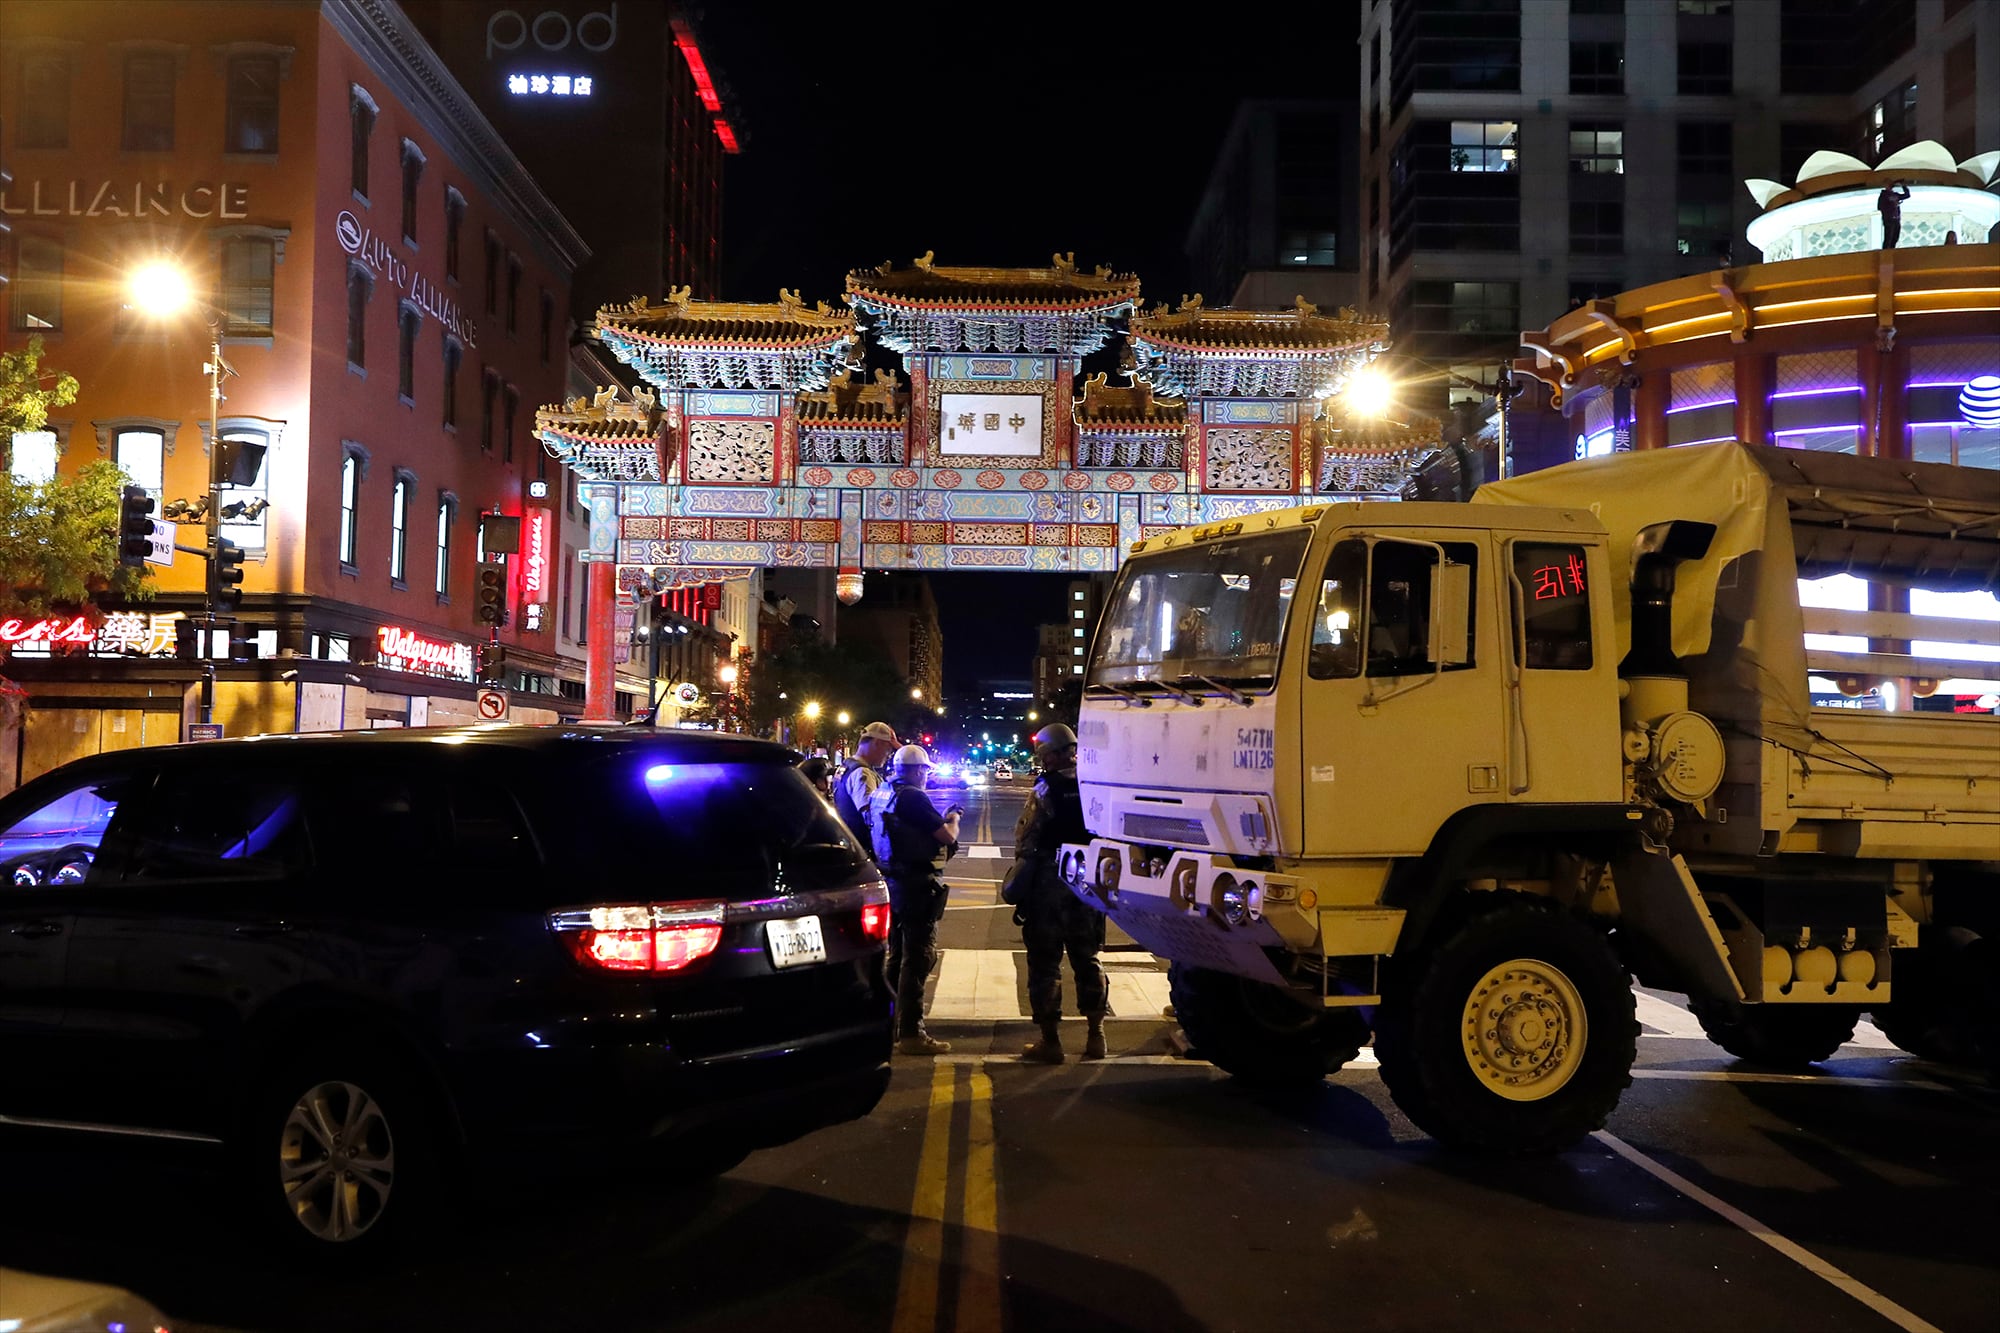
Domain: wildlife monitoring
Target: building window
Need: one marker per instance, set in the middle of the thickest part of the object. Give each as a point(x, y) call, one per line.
point(454, 356)
point(1704, 69)
point(149, 102)
point(244, 507)
point(350, 503)
point(1892, 122)
point(445, 506)
point(510, 407)
point(1705, 8)
point(1485, 145)
point(413, 175)
point(38, 284)
point(41, 110)
point(1703, 228)
point(1597, 149)
point(492, 274)
point(1596, 226)
point(360, 286)
point(142, 456)
point(251, 121)
point(513, 292)
point(361, 116)
point(408, 321)
point(32, 461)
point(489, 387)
point(454, 219)
point(1466, 307)
point(248, 270)
point(1704, 148)
point(399, 529)
point(548, 324)
point(1596, 67)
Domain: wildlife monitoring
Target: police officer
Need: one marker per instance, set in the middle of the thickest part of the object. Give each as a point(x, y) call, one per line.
point(859, 779)
point(1054, 920)
point(912, 843)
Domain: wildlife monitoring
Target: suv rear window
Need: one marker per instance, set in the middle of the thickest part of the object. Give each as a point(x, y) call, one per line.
point(739, 828)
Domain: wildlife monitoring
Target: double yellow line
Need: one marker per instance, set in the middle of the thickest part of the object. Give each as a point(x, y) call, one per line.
point(976, 1304)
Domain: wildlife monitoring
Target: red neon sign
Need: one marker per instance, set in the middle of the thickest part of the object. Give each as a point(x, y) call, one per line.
point(405, 650)
point(46, 632)
point(703, 84)
point(1562, 580)
point(535, 569)
point(727, 135)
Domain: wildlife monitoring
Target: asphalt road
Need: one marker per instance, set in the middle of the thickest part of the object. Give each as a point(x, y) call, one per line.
point(1146, 1192)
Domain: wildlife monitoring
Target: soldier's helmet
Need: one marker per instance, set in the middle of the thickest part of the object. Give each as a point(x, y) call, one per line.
point(911, 764)
point(1055, 745)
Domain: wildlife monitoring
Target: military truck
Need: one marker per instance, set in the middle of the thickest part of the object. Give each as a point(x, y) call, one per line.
point(1453, 774)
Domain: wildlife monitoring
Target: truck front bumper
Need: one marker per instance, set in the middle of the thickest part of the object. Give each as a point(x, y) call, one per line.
point(1197, 908)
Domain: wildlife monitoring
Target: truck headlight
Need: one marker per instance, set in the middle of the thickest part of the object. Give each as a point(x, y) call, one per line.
point(1227, 897)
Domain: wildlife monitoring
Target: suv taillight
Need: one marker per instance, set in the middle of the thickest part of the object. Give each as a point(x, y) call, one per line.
point(875, 920)
point(644, 937)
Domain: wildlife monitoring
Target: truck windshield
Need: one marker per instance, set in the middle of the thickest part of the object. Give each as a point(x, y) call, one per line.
point(1215, 610)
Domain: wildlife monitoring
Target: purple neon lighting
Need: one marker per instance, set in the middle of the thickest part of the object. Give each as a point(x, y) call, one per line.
point(1939, 384)
point(1815, 393)
point(1817, 430)
point(1696, 407)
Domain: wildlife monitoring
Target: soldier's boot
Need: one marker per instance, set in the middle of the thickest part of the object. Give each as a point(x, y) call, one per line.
point(1047, 1051)
point(1093, 1045)
point(921, 1042)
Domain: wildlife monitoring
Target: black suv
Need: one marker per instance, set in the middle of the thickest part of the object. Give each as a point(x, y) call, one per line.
point(361, 959)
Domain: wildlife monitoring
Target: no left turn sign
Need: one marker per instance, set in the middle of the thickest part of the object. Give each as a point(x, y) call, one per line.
point(492, 705)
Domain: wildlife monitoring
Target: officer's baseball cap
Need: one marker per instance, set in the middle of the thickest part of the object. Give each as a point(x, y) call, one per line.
point(879, 731)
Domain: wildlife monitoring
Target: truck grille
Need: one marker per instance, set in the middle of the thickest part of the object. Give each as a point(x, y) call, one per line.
point(1165, 828)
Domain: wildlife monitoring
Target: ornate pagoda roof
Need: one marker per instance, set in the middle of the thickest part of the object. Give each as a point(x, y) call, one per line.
point(1061, 287)
point(1299, 332)
point(1110, 407)
point(1354, 435)
point(605, 439)
point(848, 402)
point(1297, 353)
point(682, 343)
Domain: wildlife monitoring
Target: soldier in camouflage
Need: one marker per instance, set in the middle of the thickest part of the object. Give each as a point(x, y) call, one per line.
point(1053, 920)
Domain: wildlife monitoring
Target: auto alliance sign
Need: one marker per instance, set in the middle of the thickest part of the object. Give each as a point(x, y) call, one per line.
point(376, 255)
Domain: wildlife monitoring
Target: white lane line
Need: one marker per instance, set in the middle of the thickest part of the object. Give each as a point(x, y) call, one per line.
point(998, 990)
point(1798, 1254)
point(979, 907)
point(1667, 1018)
point(983, 849)
point(1136, 994)
point(958, 984)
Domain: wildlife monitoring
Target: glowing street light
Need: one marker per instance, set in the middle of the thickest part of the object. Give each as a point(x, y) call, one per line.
point(844, 718)
point(728, 674)
point(1033, 715)
point(916, 693)
point(1369, 392)
point(159, 288)
point(812, 710)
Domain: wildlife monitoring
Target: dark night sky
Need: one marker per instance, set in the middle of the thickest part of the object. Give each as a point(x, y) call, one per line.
point(881, 131)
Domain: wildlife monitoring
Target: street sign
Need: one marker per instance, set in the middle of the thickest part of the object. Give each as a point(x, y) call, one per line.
point(492, 705)
point(204, 731)
point(162, 552)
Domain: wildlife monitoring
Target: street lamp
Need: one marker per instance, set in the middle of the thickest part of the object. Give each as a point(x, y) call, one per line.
point(812, 711)
point(843, 719)
point(727, 675)
point(1033, 715)
point(1369, 392)
point(916, 693)
point(160, 289)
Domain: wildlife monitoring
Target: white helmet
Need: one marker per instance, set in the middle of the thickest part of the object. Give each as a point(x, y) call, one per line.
point(909, 757)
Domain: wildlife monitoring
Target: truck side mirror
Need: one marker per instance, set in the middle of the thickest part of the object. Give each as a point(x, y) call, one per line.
point(1451, 615)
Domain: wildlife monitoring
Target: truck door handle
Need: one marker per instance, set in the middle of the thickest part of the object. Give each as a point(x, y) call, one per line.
point(255, 928)
point(34, 930)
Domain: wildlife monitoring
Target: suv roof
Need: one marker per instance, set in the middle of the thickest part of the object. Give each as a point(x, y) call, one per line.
point(686, 746)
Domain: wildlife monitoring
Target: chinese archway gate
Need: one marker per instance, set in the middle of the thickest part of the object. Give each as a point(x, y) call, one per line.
point(758, 441)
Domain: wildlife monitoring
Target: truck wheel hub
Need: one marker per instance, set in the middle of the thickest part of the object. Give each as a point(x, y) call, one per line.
point(1524, 1029)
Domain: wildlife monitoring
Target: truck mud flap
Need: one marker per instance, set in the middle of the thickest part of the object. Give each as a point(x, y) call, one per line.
point(1657, 898)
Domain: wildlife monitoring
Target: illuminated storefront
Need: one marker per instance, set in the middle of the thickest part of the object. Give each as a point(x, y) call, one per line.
point(1837, 343)
point(388, 282)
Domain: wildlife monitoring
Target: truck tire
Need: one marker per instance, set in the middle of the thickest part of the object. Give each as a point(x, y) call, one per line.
point(1562, 1037)
point(1257, 1033)
point(1783, 1036)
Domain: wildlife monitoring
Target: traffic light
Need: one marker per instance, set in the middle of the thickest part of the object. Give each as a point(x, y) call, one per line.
point(225, 575)
point(929, 739)
point(492, 596)
point(492, 661)
point(135, 526)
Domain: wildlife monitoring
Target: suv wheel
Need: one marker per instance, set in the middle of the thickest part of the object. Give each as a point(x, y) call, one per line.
point(338, 1154)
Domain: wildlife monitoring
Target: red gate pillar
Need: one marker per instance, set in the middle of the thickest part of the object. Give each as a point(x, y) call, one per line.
point(600, 672)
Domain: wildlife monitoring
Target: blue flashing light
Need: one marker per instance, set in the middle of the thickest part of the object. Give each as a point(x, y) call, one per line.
point(659, 773)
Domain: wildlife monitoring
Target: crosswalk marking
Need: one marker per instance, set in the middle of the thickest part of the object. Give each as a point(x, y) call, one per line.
point(985, 986)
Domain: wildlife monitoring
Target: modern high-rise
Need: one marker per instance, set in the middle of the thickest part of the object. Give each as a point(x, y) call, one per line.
point(1522, 157)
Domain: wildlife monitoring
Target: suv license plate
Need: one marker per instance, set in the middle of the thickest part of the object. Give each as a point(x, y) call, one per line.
point(795, 942)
